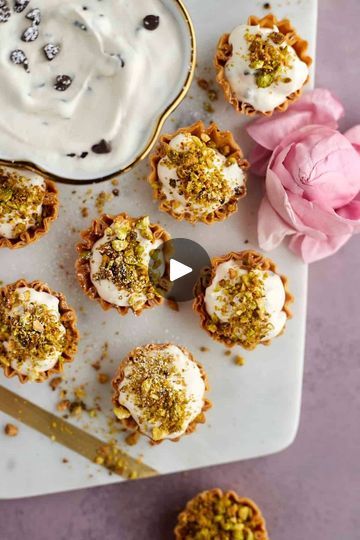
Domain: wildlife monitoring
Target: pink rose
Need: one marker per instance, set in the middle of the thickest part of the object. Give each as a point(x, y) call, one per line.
point(312, 177)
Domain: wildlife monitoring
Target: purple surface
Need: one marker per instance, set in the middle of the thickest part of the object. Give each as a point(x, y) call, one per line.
point(310, 490)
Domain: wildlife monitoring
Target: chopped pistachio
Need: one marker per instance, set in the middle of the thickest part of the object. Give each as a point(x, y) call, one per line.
point(121, 413)
point(269, 56)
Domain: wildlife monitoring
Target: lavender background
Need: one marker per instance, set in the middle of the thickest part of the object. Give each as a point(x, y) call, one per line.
point(311, 490)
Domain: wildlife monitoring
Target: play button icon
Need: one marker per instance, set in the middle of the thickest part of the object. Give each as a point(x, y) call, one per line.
point(185, 259)
point(178, 270)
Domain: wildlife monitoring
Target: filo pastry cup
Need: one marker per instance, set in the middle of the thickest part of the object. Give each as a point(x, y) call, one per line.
point(224, 54)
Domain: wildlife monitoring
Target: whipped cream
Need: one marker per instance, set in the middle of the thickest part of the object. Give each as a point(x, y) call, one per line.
point(32, 366)
point(232, 173)
point(108, 290)
point(242, 78)
point(186, 370)
point(274, 297)
point(87, 96)
point(7, 223)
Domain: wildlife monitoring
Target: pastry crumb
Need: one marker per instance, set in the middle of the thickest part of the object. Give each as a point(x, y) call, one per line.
point(10, 430)
point(54, 383)
point(239, 360)
point(103, 378)
point(133, 438)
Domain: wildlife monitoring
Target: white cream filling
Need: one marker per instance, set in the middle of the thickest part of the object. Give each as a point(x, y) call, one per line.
point(32, 367)
point(242, 78)
point(117, 67)
point(194, 390)
point(7, 226)
point(233, 174)
point(108, 290)
point(274, 297)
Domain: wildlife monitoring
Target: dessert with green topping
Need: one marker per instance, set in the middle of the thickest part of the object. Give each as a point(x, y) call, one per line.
point(120, 262)
point(28, 206)
point(38, 333)
point(159, 390)
point(218, 515)
point(242, 300)
point(198, 174)
point(262, 66)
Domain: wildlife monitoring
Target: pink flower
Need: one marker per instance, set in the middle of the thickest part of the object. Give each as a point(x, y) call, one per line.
point(312, 177)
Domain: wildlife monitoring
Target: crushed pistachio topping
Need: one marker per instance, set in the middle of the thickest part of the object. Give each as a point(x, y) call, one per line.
point(157, 388)
point(19, 201)
point(125, 260)
point(201, 180)
point(242, 296)
point(221, 518)
point(269, 56)
point(29, 331)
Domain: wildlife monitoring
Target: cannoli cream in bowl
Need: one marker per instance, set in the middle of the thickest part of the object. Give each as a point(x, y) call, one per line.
point(84, 83)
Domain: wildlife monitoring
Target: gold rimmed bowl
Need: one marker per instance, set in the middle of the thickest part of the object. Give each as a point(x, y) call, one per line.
point(150, 133)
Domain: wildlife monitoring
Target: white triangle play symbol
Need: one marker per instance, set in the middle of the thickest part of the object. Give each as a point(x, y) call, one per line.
point(178, 270)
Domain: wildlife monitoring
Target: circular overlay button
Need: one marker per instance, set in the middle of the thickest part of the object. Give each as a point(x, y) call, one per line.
point(175, 267)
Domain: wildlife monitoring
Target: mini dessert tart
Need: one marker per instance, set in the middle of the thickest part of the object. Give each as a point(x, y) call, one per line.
point(159, 390)
point(198, 174)
point(38, 332)
point(116, 257)
point(28, 205)
point(242, 300)
point(219, 515)
point(262, 66)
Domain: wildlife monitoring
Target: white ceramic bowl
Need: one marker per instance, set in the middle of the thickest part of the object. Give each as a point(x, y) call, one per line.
point(150, 130)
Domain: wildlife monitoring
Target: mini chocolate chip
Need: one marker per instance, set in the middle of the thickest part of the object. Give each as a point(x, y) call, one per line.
point(30, 34)
point(51, 51)
point(80, 25)
point(267, 5)
point(115, 192)
point(62, 83)
point(35, 16)
point(246, 72)
point(84, 155)
point(103, 147)
point(71, 155)
point(5, 12)
point(18, 57)
point(20, 5)
point(151, 22)
point(172, 183)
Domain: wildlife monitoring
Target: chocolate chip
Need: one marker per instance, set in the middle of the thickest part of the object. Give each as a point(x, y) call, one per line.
point(19, 58)
point(115, 192)
point(103, 147)
point(30, 34)
point(267, 5)
point(20, 5)
point(71, 155)
point(51, 51)
point(5, 12)
point(84, 155)
point(34, 15)
point(62, 83)
point(172, 183)
point(151, 22)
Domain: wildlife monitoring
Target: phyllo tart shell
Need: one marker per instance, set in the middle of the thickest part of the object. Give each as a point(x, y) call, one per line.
point(221, 514)
point(225, 144)
point(67, 319)
point(248, 261)
point(50, 210)
point(127, 419)
point(93, 234)
point(224, 53)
